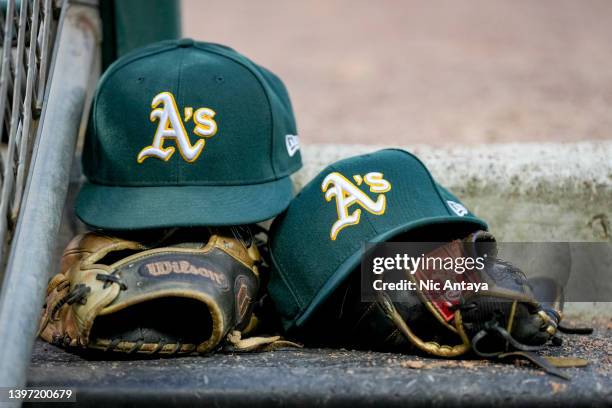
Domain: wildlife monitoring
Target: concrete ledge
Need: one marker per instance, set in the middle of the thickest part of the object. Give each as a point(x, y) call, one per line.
point(531, 192)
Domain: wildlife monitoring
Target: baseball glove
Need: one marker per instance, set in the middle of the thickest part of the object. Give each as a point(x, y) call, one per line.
point(503, 320)
point(175, 296)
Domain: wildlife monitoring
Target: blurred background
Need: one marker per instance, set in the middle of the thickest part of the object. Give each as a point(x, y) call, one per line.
point(434, 72)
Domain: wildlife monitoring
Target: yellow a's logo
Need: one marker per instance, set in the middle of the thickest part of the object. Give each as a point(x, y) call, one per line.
point(171, 126)
point(335, 185)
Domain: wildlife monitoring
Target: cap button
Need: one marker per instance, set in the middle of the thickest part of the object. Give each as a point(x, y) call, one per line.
point(185, 42)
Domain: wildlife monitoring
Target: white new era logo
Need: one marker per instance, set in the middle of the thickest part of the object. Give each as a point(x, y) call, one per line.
point(457, 208)
point(293, 144)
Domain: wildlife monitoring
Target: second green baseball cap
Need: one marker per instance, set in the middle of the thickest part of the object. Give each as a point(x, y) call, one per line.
point(318, 241)
point(186, 133)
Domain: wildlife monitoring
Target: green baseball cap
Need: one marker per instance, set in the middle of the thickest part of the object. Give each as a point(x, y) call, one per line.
point(318, 241)
point(186, 133)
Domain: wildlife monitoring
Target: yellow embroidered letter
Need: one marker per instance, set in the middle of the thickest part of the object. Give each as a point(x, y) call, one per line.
point(347, 194)
point(171, 126)
point(205, 125)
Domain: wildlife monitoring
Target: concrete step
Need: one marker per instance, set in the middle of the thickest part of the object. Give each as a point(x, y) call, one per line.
point(326, 377)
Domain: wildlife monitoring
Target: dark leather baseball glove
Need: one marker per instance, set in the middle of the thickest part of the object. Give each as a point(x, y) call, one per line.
point(503, 320)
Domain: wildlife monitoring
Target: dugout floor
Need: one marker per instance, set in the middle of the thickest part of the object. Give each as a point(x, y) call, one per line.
point(325, 377)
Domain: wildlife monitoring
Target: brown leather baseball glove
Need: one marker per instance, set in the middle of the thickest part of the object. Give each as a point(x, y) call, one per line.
point(174, 296)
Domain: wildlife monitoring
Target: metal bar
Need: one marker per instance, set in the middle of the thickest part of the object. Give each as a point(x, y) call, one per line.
point(23, 153)
point(5, 75)
point(31, 257)
point(9, 169)
point(44, 54)
point(6, 62)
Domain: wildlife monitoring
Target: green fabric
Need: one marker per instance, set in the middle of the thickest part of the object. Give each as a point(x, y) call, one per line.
point(307, 265)
point(130, 24)
point(223, 205)
point(248, 153)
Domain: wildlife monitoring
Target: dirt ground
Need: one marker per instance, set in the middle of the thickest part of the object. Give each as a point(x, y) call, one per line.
point(329, 377)
point(439, 72)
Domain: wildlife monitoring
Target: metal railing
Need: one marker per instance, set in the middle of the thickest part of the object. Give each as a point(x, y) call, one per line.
point(27, 29)
point(50, 63)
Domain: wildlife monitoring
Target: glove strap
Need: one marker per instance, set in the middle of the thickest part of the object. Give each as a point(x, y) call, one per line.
point(493, 328)
point(426, 346)
point(237, 343)
point(574, 330)
point(539, 361)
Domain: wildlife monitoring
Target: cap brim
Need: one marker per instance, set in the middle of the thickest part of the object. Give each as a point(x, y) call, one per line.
point(353, 261)
point(129, 208)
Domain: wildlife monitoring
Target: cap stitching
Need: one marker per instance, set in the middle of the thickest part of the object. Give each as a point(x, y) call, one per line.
point(287, 283)
point(260, 81)
point(181, 103)
point(191, 183)
point(110, 72)
point(115, 67)
point(429, 175)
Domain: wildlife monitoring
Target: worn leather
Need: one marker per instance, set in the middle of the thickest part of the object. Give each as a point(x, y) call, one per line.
point(409, 321)
point(129, 296)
